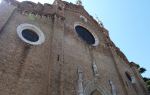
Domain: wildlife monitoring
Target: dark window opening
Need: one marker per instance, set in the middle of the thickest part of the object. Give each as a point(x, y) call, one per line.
point(128, 76)
point(95, 93)
point(30, 35)
point(59, 8)
point(58, 57)
point(85, 35)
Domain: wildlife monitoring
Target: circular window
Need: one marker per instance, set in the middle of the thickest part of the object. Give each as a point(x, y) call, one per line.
point(30, 34)
point(87, 36)
point(128, 76)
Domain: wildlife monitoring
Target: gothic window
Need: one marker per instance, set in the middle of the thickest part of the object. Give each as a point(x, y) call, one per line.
point(128, 76)
point(95, 92)
point(30, 34)
point(86, 35)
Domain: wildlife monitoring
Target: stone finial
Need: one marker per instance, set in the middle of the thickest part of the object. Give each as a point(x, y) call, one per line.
point(79, 2)
point(99, 21)
point(56, 2)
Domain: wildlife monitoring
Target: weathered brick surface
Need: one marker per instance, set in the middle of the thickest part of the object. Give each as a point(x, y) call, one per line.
point(51, 68)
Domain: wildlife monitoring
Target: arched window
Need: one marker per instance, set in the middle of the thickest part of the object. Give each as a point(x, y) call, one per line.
point(128, 76)
point(86, 35)
point(95, 92)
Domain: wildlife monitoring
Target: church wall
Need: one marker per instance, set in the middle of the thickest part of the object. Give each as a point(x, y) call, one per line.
point(132, 89)
point(123, 67)
point(24, 69)
point(140, 84)
point(52, 68)
point(78, 53)
point(108, 72)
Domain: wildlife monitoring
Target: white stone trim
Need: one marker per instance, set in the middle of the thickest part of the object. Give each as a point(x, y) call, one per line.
point(83, 18)
point(24, 26)
point(113, 88)
point(133, 79)
point(91, 31)
point(80, 81)
point(95, 69)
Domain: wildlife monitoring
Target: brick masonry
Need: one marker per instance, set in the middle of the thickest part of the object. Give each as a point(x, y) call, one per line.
point(51, 68)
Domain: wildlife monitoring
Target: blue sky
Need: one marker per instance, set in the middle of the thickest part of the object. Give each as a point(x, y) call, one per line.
point(128, 22)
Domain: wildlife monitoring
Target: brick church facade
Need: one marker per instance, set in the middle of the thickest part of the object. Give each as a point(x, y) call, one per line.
point(59, 49)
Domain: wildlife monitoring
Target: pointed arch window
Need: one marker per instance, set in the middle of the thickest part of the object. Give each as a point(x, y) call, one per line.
point(95, 92)
point(128, 76)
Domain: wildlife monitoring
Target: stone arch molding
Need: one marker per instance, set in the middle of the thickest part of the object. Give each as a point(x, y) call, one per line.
point(34, 28)
point(92, 86)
